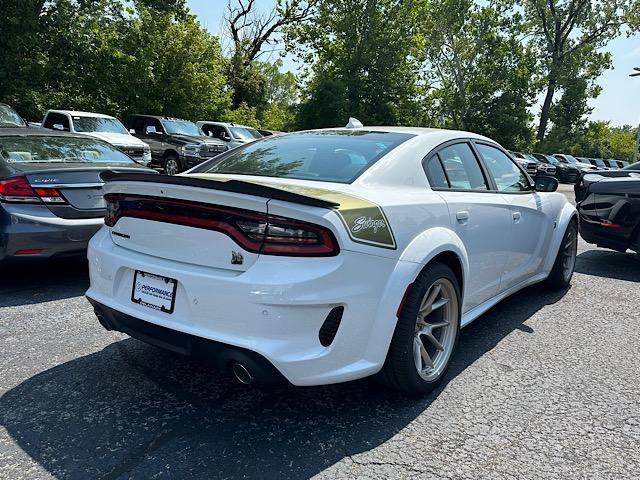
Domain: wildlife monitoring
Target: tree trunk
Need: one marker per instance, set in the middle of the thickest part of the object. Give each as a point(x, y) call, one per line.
point(546, 107)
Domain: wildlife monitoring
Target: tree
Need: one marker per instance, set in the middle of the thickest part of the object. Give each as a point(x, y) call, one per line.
point(363, 60)
point(564, 29)
point(251, 31)
point(482, 76)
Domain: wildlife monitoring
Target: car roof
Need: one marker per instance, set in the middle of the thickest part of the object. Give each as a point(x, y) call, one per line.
point(39, 132)
point(77, 113)
point(157, 117)
point(415, 131)
point(224, 124)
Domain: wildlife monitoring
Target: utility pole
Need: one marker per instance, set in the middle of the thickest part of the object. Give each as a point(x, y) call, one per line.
point(636, 73)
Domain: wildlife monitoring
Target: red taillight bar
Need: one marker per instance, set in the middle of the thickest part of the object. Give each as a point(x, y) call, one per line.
point(19, 190)
point(254, 231)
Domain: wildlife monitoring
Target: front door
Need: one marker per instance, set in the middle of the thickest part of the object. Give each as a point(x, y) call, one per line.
point(529, 216)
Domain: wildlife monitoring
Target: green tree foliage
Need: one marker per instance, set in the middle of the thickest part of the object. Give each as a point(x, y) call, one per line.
point(363, 64)
point(112, 57)
point(482, 76)
point(567, 35)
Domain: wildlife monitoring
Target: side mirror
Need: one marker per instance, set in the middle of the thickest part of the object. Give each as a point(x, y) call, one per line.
point(544, 183)
point(58, 126)
point(150, 129)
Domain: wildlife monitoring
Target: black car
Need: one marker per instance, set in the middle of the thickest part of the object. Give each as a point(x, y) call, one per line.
point(51, 192)
point(609, 207)
point(565, 173)
point(176, 145)
point(9, 118)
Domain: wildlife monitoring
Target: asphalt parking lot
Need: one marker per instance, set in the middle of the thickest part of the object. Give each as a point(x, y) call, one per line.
point(545, 385)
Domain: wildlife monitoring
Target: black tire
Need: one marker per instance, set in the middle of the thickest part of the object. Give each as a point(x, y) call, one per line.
point(171, 165)
point(399, 371)
point(559, 278)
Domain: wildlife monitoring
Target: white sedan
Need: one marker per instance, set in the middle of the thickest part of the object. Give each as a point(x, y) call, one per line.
point(330, 255)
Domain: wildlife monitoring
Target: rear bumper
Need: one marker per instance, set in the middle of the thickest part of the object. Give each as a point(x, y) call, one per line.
point(276, 309)
point(222, 355)
point(34, 227)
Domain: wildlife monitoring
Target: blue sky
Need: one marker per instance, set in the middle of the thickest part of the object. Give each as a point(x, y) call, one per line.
point(619, 102)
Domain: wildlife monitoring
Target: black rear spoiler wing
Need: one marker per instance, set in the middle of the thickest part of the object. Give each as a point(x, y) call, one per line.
point(235, 186)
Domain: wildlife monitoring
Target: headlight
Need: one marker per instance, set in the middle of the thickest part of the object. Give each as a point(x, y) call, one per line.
point(190, 150)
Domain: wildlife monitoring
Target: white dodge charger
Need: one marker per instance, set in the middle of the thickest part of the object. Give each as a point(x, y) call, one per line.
point(329, 255)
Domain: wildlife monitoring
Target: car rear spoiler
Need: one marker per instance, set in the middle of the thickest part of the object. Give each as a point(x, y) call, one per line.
point(236, 186)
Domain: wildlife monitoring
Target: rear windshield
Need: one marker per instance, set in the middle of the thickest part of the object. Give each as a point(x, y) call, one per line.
point(9, 117)
point(328, 156)
point(45, 149)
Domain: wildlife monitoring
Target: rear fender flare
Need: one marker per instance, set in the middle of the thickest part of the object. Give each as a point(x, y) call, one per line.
point(422, 250)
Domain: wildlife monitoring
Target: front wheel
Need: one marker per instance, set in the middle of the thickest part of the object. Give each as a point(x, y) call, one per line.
point(171, 165)
point(426, 334)
point(565, 264)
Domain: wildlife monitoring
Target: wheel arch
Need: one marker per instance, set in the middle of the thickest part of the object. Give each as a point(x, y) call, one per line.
point(170, 152)
point(567, 215)
point(434, 245)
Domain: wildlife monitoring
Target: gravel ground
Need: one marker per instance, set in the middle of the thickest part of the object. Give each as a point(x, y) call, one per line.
point(544, 385)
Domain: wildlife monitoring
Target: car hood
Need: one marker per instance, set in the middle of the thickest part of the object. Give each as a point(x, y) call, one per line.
point(119, 139)
point(197, 139)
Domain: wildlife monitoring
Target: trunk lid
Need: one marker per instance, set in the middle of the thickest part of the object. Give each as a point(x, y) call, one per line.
point(192, 220)
point(80, 186)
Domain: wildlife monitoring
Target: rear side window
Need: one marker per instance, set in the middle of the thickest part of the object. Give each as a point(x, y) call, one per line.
point(462, 168)
point(435, 173)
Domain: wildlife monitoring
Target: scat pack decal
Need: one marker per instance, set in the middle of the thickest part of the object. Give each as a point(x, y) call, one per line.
point(365, 221)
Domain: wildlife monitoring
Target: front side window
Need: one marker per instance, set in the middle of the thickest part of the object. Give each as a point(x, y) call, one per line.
point(45, 149)
point(507, 175)
point(462, 168)
point(329, 156)
point(181, 127)
point(98, 124)
point(9, 117)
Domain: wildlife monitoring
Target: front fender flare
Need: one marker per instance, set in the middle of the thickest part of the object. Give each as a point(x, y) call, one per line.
point(566, 215)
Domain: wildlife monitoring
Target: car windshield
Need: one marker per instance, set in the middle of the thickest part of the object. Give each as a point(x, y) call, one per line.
point(181, 127)
point(329, 156)
point(633, 166)
point(50, 149)
point(98, 124)
point(9, 117)
point(600, 162)
point(553, 160)
point(244, 133)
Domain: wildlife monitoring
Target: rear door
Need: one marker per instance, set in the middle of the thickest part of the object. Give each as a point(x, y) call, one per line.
point(529, 215)
point(479, 216)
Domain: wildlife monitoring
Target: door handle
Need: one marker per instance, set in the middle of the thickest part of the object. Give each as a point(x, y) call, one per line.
point(517, 216)
point(462, 216)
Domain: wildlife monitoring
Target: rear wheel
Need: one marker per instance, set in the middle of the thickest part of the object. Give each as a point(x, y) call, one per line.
point(171, 165)
point(426, 334)
point(563, 267)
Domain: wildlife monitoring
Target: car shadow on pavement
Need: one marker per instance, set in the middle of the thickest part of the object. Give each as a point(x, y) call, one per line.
point(134, 411)
point(609, 264)
point(32, 282)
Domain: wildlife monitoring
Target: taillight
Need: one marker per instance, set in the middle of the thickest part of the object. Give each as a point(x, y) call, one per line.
point(19, 190)
point(255, 232)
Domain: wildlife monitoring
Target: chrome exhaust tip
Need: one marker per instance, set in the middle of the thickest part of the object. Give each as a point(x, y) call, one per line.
point(242, 374)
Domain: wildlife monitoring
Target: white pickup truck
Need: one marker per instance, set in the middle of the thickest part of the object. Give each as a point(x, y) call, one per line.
point(103, 127)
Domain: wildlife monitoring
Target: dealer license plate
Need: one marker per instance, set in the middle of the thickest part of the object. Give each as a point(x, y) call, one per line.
point(154, 291)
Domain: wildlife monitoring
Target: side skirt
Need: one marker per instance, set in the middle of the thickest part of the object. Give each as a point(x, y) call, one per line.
point(474, 313)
